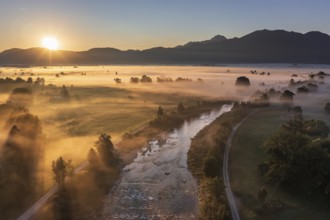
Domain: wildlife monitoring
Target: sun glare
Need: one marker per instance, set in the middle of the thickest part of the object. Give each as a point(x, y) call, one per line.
point(51, 43)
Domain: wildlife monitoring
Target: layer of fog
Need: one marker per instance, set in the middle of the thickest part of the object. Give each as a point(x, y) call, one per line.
point(104, 103)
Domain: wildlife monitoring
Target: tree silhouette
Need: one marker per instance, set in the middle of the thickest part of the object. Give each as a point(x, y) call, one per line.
point(65, 94)
point(106, 150)
point(160, 111)
point(181, 109)
point(287, 96)
point(145, 79)
point(242, 81)
point(62, 169)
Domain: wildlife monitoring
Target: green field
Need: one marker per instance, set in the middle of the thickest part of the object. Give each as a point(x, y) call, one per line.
point(246, 155)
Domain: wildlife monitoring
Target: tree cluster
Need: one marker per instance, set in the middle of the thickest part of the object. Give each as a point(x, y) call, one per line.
point(21, 156)
point(82, 196)
point(299, 155)
point(182, 79)
point(144, 79)
point(164, 79)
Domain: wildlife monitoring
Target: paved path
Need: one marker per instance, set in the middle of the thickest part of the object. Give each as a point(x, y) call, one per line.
point(229, 192)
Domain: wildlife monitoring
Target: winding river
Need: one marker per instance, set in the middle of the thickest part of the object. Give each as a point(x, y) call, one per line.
point(158, 184)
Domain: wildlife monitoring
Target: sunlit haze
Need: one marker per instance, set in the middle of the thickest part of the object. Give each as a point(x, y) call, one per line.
point(50, 43)
point(153, 109)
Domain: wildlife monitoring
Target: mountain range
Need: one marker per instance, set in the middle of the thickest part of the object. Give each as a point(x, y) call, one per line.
point(263, 46)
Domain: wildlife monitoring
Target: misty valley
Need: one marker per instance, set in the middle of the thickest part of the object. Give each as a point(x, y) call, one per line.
point(165, 142)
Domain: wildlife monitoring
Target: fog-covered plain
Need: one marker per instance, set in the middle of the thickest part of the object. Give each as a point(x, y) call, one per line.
point(100, 105)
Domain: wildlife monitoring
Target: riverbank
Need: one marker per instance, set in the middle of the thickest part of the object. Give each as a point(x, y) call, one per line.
point(205, 160)
point(132, 143)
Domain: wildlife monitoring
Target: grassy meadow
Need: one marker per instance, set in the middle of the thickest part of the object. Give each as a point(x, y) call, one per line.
point(246, 155)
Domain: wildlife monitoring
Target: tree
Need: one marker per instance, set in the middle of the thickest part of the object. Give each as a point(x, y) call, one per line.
point(134, 79)
point(316, 128)
point(92, 157)
point(21, 155)
point(211, 167)
point(117, 80)
point(242, 81)
point(160, 111)
point(145, 79)
point(181, 109)
point(298, 155)
point(62, 169)
point(106, 150)
point(302, 89)
point(287, 97)
point(21, 96)
point(65, 94)
point(284, 149)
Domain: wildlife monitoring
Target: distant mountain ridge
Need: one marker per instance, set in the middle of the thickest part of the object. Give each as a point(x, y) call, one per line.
point(263, 46)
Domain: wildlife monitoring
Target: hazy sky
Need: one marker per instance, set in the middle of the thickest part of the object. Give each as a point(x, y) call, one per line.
point(140, 24)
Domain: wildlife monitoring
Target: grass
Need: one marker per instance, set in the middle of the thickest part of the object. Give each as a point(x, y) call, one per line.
point(246, 155)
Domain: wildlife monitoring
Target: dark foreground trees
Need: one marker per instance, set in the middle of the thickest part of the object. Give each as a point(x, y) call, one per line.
point(20, 160)
point(81, 197)
point(62, 169)
point(62, 200)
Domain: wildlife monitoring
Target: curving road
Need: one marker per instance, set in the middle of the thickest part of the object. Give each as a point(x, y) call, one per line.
point(229, 192)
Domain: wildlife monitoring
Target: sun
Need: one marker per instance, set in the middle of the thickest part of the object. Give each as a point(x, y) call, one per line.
point(51, 43)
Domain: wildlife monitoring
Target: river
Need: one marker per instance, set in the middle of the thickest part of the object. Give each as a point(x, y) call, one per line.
point(158, 184)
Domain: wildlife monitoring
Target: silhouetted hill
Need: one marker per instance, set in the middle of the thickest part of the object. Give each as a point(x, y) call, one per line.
point(215, 39)
point(262, 46)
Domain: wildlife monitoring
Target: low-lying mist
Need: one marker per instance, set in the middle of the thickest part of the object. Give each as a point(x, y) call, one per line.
point(91, 103)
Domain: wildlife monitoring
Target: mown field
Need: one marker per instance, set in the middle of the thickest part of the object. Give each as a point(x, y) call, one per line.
point(246, 155)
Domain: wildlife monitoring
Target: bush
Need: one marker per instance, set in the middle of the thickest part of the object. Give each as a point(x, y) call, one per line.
point(211, 167)
point(242, 81)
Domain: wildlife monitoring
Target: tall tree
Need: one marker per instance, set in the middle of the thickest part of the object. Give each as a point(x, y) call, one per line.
point(106, 150)
point(62, 169)
point(160, 111)
point(181, 109)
